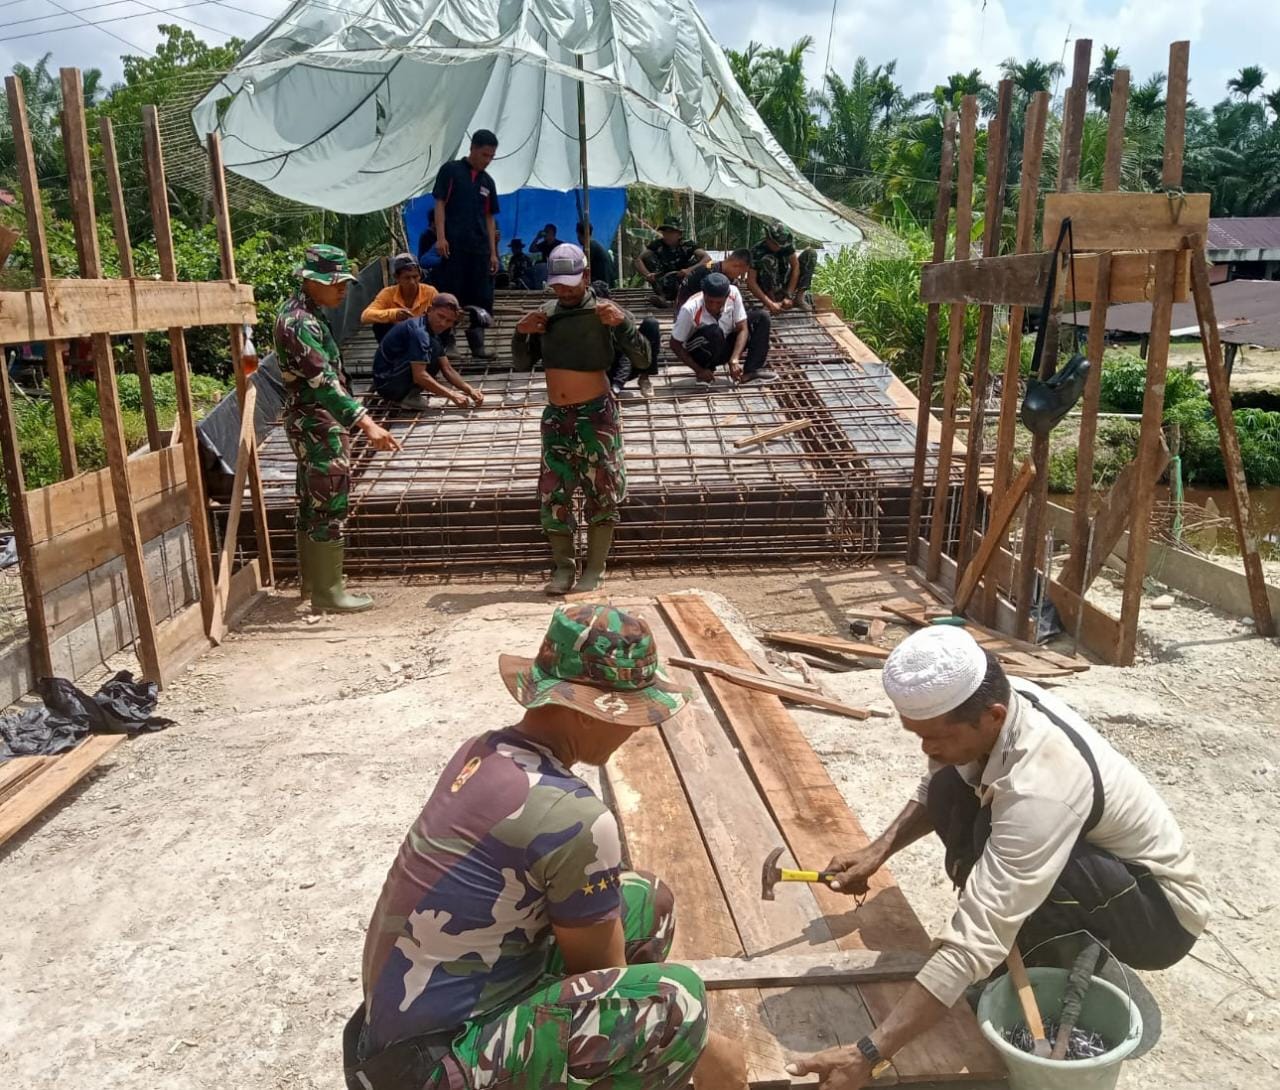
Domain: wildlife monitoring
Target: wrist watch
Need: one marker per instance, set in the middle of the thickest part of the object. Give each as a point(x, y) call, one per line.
point(879, 1065)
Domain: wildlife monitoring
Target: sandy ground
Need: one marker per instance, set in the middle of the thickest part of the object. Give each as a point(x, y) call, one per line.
point(193, 915)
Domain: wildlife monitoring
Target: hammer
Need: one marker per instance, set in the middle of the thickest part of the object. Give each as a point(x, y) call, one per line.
point(771, 874)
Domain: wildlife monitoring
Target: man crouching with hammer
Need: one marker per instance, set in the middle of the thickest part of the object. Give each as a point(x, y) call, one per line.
point(1048, 833)
point(509, 948)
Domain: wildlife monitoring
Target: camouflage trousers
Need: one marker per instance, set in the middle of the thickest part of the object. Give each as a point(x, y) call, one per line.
point(638, 1028)
point(322, 449)
point(774, 274)
point(581, 447)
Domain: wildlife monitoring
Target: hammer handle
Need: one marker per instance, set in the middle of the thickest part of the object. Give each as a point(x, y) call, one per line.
point(804, 876)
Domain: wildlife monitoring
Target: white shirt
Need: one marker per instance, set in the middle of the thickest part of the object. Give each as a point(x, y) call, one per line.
point(695, 313)
point(1040, 792)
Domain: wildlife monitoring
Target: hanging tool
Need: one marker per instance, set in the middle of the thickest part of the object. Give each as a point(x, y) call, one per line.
point(771, 874)
point(1027, 997)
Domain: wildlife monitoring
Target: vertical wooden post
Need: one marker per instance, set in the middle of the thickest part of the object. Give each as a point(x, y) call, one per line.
point(997, 160)
point(1220, 395)
point(120, 220)
point(929, 357)
point(1074, 575)
point(27, 175)
point(186, 421)
point(1149, 439)
point(227, 254)
point(1068, 178)
point(75, 140)
point(955, 340)
point(1028, 208)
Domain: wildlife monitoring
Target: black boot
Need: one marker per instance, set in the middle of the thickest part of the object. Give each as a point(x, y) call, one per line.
point(475, 342)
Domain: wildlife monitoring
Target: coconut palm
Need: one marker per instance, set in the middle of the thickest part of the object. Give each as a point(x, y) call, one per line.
point(774, 81)
point(1250, 79)
point(1103, 78)
point(1147, 99)
point(1030, 76)
point(947, 96)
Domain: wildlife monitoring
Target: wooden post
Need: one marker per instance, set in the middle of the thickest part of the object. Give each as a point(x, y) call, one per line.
point(1068, 177)
point(955, 340)
point(1150, 439)
point(997, 159)
point(1220, 395)
point(27, 175)
point(1074, 574)
point(929, 357)
point(124, 248)
point(185, 425)
point(1028, 201)
point(75, 140)
point(227, 255)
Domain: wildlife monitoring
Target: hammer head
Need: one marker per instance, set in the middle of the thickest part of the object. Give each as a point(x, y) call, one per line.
point(770, 874)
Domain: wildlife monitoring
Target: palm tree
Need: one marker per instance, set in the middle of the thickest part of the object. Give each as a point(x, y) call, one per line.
point(1031, 75)
point(1103, 78)
point(778, 90)
point(1250, 79)
point(947, 96)
point(1147, 99)
point(1272, 99)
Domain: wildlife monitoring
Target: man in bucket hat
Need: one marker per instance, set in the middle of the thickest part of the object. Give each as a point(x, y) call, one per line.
point(509, 947)
point(319, 415)
point(779, 276)
point(668, 261)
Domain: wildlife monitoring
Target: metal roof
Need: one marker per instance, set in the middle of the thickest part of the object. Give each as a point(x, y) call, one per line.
point(1244, 238)
point(1248, 313)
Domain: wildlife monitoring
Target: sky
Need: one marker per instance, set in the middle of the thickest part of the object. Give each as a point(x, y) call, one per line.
point(929, 38)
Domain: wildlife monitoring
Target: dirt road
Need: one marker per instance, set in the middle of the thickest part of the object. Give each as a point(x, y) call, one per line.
point(193, 916)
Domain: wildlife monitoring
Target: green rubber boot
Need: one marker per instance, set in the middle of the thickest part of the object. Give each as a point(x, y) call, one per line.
point(328, 593)
point(304, 576)
point(566, 564)
point(599, 541)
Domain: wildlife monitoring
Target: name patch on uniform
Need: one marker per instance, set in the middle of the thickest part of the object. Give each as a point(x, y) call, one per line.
point(468, 770)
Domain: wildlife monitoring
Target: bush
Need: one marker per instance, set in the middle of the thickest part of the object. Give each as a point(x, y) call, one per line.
point(1124, 384)
point(1062, 471)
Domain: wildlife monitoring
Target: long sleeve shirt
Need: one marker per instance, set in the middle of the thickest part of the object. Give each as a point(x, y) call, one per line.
point(1040, 791)
point(388, 303)
point(309, 363)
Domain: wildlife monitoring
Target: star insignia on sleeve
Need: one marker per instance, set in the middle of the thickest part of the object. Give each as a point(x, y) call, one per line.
point(589, 889)
point(602, 885)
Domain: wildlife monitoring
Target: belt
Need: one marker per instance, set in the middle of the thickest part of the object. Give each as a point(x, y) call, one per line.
point(405, 1065)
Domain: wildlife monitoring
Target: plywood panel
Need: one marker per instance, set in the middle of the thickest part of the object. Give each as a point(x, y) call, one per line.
point(1127, 221)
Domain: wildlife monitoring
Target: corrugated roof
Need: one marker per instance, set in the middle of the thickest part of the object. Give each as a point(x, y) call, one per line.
point(1248, 313)
point(1244, 233)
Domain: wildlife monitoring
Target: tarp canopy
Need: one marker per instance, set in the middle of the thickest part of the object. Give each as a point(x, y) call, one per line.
point(355, 106)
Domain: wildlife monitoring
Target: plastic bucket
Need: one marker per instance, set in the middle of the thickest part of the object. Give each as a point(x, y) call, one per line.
point(1106, 1010)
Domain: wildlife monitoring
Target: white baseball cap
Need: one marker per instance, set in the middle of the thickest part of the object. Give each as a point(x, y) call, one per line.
point(566, 265)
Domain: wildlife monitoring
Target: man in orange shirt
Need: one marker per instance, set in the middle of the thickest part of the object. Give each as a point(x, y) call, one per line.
point(407, 298)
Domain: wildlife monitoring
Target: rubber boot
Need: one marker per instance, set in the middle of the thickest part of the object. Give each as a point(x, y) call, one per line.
point(599, 541)
point(304, 575)
point(475, 342)
point(328, 593)
point(566, 564)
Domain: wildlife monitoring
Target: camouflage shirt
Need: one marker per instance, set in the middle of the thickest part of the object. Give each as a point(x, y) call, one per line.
point(509, 843)
point(309, 360)
point(662, 258)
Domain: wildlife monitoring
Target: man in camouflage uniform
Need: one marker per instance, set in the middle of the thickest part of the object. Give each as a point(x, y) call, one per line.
point(779, 277)
point(668, 260)
point(319, 415)
point(509, 947)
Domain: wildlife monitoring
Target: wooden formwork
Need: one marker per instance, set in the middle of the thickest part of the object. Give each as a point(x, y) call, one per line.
point(1137, 246)
point(122, 554)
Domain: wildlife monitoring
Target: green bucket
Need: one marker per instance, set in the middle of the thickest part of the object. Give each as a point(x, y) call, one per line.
point(1106, 1010)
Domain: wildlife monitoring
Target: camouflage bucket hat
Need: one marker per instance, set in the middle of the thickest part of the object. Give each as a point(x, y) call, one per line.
point(777, 232)
point(670, 225)
point(599, 661)
point(325, 265)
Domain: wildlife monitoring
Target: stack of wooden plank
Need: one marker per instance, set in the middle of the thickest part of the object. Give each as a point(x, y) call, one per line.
point(30, 785)
point(702, 801)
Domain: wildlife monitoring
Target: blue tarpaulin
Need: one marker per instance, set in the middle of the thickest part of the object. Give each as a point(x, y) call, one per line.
point(525, 212)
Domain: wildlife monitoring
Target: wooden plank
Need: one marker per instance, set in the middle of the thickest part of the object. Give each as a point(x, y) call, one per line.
point(244, 456)
point(1128, 221)
point(53, 782)
point(773, 433)
point(17, 772)
point(1013, 279)
point(24, 155)
point(1220, 395)
point(815, 820)
point(75, 142)
point(994, 537)
point(795, 970)
point(1150, 436)
point(929, 356)
point(955, 338)
point(828, 643)
point(124, 252)
point(1133, 275)
point(781, 689)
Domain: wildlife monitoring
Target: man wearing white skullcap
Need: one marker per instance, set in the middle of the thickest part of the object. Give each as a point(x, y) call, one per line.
point(1048, 832)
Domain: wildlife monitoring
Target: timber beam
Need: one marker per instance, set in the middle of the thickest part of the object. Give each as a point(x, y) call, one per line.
point(1128, 221)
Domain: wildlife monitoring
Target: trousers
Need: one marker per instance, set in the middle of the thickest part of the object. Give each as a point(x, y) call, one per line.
point(641, 1027)
point(581, 448)
point(774, 275)
point(322, 449)
point(1119, 903)
point(466, 275)
point(622, 372)
point(710, 346)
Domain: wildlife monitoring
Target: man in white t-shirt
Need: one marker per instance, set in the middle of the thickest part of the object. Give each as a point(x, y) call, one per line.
point(714, 328)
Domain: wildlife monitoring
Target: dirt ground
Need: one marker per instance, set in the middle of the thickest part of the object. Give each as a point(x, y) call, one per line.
point(193, 915)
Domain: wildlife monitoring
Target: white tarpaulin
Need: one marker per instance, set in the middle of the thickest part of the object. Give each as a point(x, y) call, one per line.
point(354, 106)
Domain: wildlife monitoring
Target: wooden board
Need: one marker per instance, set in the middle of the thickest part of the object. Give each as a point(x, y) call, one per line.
point(782, 689)
point(80, 308)
point(1014, 279)
point(773, 433)
point(17, 771)
point(1127, 221)
point(999, 523)
point(54, 780)
point(815, 821)
point(1133, 278)
point(828, 643)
